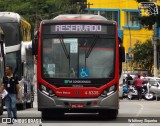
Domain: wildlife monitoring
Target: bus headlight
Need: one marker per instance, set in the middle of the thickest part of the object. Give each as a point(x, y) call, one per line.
point(51, 93)
point(47, 91)
point(108, 91)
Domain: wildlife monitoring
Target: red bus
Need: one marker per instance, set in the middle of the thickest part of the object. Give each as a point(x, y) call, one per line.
point(79, 60)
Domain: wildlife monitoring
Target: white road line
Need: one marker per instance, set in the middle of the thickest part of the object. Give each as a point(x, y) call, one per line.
point(139, 111)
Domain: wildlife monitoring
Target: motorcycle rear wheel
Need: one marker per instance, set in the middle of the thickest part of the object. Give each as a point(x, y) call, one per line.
point(129, 95)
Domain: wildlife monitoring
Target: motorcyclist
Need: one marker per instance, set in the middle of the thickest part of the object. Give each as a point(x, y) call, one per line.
point(128, 79)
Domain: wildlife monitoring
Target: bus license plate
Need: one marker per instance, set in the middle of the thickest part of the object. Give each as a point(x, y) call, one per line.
point(77, 105)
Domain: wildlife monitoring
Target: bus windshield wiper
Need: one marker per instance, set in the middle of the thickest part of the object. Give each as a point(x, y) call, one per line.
point(91, 48)
point(64, 47)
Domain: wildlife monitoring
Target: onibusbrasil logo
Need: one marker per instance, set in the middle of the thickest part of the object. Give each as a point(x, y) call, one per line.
point(148, 8)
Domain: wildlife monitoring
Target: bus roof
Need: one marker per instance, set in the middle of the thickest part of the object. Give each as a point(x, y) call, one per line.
point(12, 17)
point(9, 17)
point(79, 18)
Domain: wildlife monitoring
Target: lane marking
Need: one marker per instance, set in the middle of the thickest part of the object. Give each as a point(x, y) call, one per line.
point(139, 111)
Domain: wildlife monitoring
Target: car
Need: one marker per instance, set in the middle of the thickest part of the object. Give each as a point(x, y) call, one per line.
point(121, 87)
point(154, 88)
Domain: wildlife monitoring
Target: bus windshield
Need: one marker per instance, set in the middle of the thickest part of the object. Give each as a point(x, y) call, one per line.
point(12, 31)
point(77, 57)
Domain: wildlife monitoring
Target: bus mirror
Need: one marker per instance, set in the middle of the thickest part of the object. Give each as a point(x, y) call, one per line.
point(1, 35)
point(35, 44)
point(122, 54)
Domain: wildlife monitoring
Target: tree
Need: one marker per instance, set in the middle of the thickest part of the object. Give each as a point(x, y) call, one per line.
point(36, 10)
point(150, 20)
point(143, 55)
point(25, 8)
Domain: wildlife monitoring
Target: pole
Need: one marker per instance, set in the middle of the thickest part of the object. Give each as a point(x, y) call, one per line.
point(155, 51)
point(155, 58)
point(130, 47)
point(89, 8)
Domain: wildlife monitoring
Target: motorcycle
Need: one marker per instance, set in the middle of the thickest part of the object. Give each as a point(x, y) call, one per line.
point(125, 90)
point(132, 92)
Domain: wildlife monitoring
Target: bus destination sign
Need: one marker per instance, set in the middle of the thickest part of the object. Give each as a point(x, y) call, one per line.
point(80, 28)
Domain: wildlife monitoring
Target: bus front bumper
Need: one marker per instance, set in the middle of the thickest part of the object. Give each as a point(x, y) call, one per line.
point(45, 102)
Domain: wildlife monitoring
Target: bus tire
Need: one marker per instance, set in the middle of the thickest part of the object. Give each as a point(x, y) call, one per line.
point(109, 113)
point(21, 106)
point(1, 106)
point(45, 115)
point(29, 105)
point(51, 114)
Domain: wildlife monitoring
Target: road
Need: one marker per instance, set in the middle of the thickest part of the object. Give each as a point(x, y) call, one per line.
point(129, 109)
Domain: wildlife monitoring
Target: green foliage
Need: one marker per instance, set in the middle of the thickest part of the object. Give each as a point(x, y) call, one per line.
point(143, 54)
point(46, 9)
point(149, 21)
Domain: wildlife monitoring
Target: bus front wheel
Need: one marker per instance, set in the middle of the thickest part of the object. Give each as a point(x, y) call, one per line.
point(50, 114)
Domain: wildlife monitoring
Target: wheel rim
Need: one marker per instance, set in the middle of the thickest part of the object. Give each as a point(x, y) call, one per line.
point(149, 95)
point(129, 95)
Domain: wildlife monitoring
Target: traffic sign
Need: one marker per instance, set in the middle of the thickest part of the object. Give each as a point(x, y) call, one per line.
point(129, 49)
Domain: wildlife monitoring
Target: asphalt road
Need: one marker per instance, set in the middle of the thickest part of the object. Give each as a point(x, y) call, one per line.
point(131, 113)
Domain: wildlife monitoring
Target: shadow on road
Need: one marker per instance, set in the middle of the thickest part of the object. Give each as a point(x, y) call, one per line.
point(79, 118)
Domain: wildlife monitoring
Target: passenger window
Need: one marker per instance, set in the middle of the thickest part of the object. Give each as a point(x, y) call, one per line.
point(152, 82)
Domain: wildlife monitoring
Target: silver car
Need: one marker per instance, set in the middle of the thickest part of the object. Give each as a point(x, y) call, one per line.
point(154, 86)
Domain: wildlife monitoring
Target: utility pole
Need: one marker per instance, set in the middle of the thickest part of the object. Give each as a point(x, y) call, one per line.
point(155, 59)
point(155, 51)
point(89, 7)
point(86, 4)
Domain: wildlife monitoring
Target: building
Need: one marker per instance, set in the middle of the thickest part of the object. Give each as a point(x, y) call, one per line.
point(126, 13)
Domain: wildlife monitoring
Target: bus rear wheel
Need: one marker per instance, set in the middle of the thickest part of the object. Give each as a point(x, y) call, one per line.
point(1, 106)
point(21, 106)
point(109, 113)
point(29, 105)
